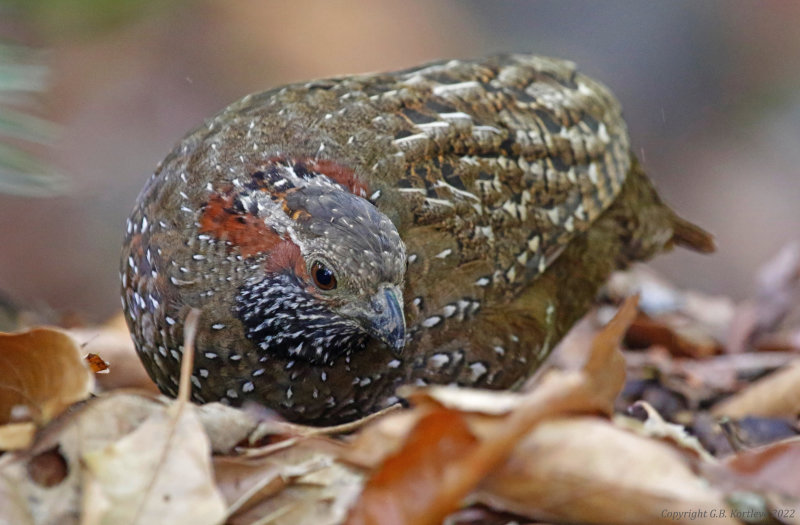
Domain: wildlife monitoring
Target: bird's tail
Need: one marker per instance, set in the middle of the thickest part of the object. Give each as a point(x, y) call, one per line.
point(689, 235)
point(648, 224)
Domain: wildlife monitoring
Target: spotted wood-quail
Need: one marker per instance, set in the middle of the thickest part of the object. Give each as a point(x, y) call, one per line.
point(341, 237)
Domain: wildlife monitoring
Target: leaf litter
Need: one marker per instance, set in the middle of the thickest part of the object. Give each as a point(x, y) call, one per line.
point(681, 410)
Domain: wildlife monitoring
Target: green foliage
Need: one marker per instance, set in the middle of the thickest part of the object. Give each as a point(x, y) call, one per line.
point(82, 18)
point(22, 75)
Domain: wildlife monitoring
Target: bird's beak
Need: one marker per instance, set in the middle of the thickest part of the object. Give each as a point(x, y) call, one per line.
point(387, 322)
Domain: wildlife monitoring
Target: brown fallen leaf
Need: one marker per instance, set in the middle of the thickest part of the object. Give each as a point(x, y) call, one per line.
point(424, 463)
point(225, 426)
point(762, 482)
point(13, 507)
point(113, 343)
point(656, 427)
point(775, 395)
point(41, 374)
point(680, 339)
point(300, 483)
point(443, 479)
point(688, 310)
point(159, 473)
point(127, 459)
point(773, 467)
point(778, 283)
point(16, 436)
point(96, 363)
point(784, 341)
point(91, 427)
point(382, 438)
point(587, 470)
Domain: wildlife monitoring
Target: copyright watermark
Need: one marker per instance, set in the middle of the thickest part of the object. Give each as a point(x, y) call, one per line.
point(746, 514)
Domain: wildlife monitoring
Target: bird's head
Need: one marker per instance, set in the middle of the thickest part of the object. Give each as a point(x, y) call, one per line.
point(332, 266)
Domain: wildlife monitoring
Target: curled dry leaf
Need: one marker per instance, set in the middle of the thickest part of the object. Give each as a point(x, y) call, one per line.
point(380, 439)
point(113, 343)
point(683, 310)
point(299, 484)
point(774, 467)
point(442, 460)
point(587, 470)
point(655, 426)
point(679, 338)
point(41, 374)
point(572, 351)
point(159, 473)
point(16, 436)
point(605, 368)
point(127, 460)
point(96, 424)
point(225, 426)
point(775, 395)
point(778, 289)
point(418, 473)
point(96, 363)
point(762, 481)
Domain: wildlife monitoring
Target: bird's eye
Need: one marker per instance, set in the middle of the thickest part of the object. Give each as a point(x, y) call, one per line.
point(323, 276)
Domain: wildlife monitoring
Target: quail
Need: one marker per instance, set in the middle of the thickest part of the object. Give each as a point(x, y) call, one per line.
point(342, 237)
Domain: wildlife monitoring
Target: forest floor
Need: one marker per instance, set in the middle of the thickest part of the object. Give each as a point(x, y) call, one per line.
point(661, 406)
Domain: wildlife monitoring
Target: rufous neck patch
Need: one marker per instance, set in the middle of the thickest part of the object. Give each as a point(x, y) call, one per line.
point(226, 221)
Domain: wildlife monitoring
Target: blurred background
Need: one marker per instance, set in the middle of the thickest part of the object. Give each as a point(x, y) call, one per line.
point(711, 92)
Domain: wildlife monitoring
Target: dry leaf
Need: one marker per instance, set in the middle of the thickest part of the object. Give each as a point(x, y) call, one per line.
point(159, 473)
point(99, 422)
point(247, 482)
point(656, 427)
point(382, 438)
point(417, 474)
point(762, 482)
point(586, 470)
point(778, 285)
point(771, 468)
point(126, 460)
point(680, 339)
point(13, 507)
point(225, 426)
point(662, 302)
point(450, 476)
point(96, 363)
point(16, 436)
point(41, 374)
point(299, 484)
point(475, 400)
point(113, 343)
point(571, 352)
point(775, 395)
point(605, 368)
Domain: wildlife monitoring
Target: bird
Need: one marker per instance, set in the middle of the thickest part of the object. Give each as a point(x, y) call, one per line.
point(444, 224)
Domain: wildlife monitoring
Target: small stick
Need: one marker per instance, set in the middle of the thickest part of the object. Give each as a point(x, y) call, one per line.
point(187, 359)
